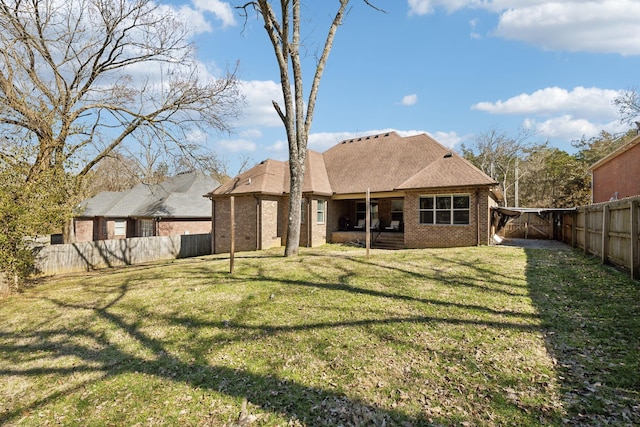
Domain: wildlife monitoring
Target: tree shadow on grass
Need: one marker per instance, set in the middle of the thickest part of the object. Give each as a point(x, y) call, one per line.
point(278, 395)
point(316, 406)
point(591, 317)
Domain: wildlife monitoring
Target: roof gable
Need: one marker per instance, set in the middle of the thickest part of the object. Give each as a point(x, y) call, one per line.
point(267, 177)
point(450, 170)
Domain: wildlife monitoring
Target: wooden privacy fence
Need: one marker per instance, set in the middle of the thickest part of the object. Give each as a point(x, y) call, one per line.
point(75, 257)
point(608, 230)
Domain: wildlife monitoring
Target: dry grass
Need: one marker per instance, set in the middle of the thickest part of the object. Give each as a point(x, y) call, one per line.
point(471, 336)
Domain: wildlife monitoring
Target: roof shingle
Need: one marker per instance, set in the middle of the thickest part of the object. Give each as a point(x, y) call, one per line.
point(176, 197)
point(380, 163)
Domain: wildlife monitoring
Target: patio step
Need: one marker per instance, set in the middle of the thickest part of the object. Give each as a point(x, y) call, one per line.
point(389, 241)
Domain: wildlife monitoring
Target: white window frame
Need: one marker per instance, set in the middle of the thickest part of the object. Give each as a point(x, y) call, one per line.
point(120, 227)
point(321, 213)
point(450, 210)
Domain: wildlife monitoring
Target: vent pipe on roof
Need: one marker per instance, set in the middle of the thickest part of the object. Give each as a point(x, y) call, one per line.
point(447, 155)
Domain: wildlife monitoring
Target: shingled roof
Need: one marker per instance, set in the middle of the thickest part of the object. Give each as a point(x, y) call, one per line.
point(381, 163)
point(176, 197)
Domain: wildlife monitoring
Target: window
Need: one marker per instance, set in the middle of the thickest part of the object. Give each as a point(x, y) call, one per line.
point(321, 211)
point(120, 227)
point(444, 210)
point(303, 211)
point(146, 228)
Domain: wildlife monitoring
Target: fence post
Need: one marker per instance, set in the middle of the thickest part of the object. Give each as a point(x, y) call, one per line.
point(635, 259)
point(574, 229)
point(606, 215)
point(587, 220)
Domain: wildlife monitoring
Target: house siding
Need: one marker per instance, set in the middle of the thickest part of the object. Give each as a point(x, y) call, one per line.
point(620, 175)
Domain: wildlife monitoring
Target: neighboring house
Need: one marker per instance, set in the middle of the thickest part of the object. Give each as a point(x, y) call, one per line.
point(421, 193)
point(175, 206)
point(617, 175)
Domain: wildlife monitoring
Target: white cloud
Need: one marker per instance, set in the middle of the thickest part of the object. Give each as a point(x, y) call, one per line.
point(222, 10)
point(409, 99)
point(251, 133)
point(197, 17)
point(592, 103)
point(424, 7)
point(237, 145)
point(279, 150)
point(568, 127)
point(259, 110)
point(557, 113)
point(448, 139)
point(607, 26)
point(601, 26)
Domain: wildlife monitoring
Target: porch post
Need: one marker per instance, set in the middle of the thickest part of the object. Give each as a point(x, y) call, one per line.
point(367, 222)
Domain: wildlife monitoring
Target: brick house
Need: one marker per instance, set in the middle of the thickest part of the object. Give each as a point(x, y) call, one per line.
point(174, 206)
point(421, 195)
point(617, 175)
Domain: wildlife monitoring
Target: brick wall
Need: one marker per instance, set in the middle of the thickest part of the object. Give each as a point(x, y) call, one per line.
point(311, 233)
point(83, 229)
point(269, 230)
point(261, 223)
point(171, 227)
point(318, 231)
point(246, 225)
point(439, 236)
point(621, 175)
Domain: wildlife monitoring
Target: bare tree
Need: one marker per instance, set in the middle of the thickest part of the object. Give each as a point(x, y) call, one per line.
point(628, 103)
point(284, 32)
point(497, 155)
point(114, 173)
point(79, 78)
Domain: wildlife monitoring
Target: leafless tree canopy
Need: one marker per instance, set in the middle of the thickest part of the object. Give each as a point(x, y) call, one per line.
point(80, 77)
point(628, 104)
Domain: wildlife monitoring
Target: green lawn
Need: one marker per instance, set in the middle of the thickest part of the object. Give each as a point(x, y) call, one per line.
point(489, 336)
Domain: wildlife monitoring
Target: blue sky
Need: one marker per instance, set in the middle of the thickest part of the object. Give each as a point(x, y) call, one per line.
point(450, 68)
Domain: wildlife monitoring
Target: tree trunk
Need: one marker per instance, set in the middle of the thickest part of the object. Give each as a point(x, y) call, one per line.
point(296, 169)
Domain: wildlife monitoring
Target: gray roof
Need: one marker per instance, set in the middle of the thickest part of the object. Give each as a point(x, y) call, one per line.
point(178, 197)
